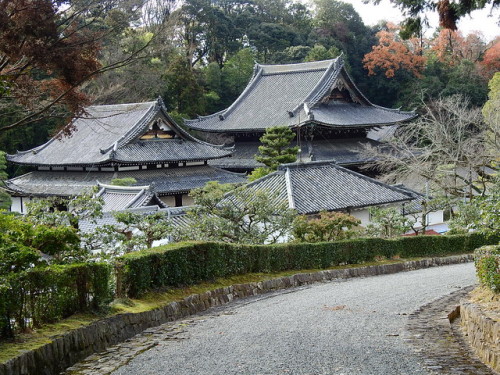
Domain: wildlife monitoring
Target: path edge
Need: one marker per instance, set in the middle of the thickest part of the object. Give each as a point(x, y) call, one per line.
point(75, 345)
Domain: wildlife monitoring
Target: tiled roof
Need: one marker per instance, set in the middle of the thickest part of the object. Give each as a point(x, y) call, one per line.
point(352, 114)
point(289, 95)
point(165, 180)
point(316, 186)
point(108, 134)
point(168, 150)
point(176, 215)
point(343, 151)
point(118, 198)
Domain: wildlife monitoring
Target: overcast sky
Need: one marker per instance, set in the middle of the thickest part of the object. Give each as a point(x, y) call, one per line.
point(479, 20)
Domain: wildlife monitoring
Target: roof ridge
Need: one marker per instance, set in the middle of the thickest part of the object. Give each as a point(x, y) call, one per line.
point(325, 163)
point(245, 92)
point(323, 81)
point(289, 189)
point(297, 67)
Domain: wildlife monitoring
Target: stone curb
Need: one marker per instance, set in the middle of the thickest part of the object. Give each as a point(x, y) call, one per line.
point(483, 333)
point(75, 345)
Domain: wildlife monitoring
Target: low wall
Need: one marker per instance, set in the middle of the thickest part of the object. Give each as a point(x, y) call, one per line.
point(75, 345)
point(483, 333)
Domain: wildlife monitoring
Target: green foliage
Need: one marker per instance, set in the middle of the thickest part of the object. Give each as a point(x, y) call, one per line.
point(259, 173)
point(55, 211)
point(319, 52)
point(46, 294)
point(239, 215)
point(387, 222)
point(236, 73)
point(5, 200)
point(329, 226)
point(22, 243)
point(150, 228)
point(126, 181)
point(487, 260)
point(183, 92)
point(491, 113)
point(189, 263)
point(482, 214)
point(275, 148)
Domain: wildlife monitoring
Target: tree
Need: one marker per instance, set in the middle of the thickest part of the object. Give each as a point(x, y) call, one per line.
point(451, 47)
point(5, 200)
point(449, 11)
point(23, 243)
point(387, 223)
point(329, 226)
point(491, 113)
point(491, 59)
point(138, 231)
point(482, 214)
point(392, 54)
point(445, 146)
point(183, 92)
point(57, 211)
point(47, 50)
point(319, 52)
point(418, 210)
point(237, 215)
point(275, 150)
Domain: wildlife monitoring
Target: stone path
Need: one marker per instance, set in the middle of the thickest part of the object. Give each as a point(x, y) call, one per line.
point(343, 327)
point(440, 344)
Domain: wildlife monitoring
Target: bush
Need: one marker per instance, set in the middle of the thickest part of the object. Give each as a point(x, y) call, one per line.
point(487, 259)
point(189, 263)
point(44, 295)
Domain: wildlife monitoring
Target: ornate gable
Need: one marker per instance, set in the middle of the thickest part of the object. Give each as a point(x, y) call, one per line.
point(158, 129)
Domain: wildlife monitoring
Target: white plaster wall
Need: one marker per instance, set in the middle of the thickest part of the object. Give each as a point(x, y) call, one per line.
point(187, 200)
point(16, 205)
point(362, 215)
point(19, 204)
point(169, 200)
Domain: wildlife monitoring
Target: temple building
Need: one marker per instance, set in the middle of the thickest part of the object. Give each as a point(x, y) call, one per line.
point(319, 186)
point(138, 141)
point(318, 100)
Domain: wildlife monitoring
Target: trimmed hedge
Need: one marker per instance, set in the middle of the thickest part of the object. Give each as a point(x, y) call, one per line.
point(487, 260)
point(190, 263)
point(44, 295)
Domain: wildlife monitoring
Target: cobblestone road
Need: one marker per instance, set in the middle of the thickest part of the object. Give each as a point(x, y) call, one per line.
point(355, 326)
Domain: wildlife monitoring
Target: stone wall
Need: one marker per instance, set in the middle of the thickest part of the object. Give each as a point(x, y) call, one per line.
point(483, 333)
point(75, 345)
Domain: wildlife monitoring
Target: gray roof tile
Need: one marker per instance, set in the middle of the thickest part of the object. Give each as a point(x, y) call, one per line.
point(313, 187)
point(164, 181)
point(289, 95)
point(343, 151)
point(118, 198)
point(107, 134)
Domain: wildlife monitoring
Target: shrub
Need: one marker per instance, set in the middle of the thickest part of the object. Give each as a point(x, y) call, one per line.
point(188, 263)
point(46, 294)
point(487, 259)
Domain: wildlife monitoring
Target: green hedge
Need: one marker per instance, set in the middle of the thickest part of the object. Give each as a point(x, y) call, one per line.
point(190, 263)
point(487, 259)
point(44, 295)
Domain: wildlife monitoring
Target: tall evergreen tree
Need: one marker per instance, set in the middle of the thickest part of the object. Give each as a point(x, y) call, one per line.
point(275, 150)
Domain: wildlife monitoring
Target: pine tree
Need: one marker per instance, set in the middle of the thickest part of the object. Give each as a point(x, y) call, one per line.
point(4, 197)
point(275, 149)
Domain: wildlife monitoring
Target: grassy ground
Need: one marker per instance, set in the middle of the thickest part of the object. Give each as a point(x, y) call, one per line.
point(38, 337)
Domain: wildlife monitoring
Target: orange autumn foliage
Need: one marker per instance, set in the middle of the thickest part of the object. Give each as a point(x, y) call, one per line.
point(392, 54)
point(491, 59)
point(451, 46)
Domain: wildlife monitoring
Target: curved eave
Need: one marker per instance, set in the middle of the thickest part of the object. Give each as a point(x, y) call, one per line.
point(358, 207)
